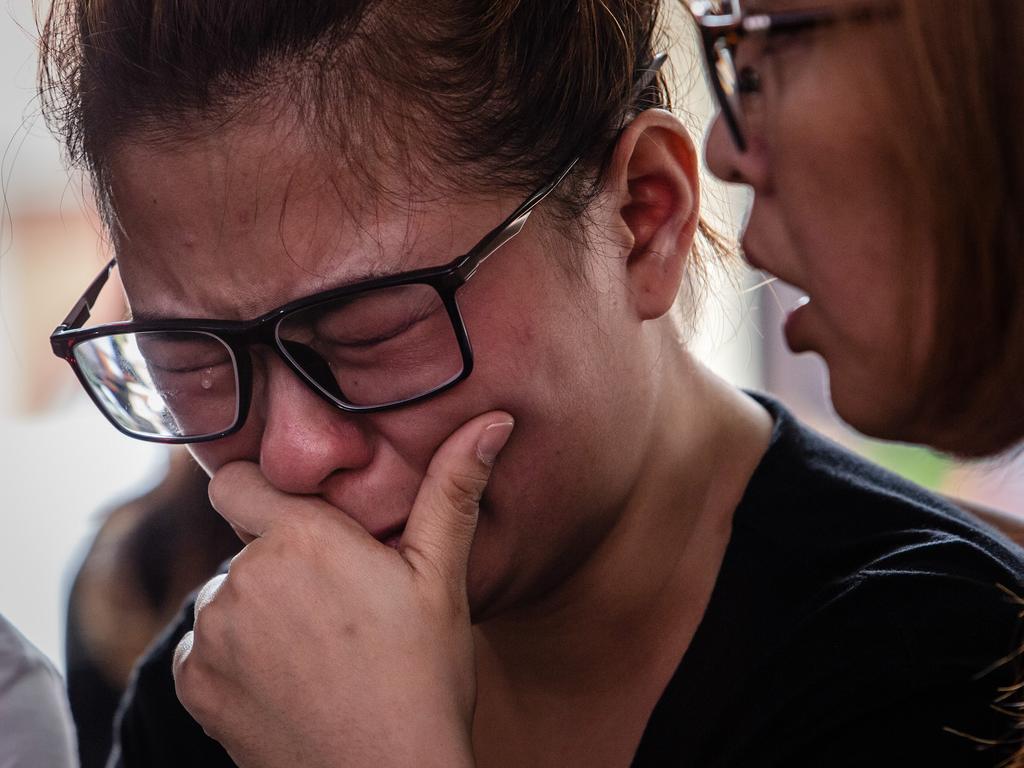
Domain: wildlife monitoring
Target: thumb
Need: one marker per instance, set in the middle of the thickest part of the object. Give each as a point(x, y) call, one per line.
point(439, 532)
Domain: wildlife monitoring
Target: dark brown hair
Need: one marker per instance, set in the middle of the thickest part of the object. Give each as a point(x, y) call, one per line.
point(959, 128)
point(507, 91)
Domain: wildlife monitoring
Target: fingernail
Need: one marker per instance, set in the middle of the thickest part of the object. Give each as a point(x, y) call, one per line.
point(493, 440)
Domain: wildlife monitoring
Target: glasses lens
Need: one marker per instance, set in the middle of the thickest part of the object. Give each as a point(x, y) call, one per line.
point(375, 348)
point(162, 384)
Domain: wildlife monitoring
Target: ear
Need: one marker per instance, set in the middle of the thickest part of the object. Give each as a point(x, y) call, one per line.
point(653, 177)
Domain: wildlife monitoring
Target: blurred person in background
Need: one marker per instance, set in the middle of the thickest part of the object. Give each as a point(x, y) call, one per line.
point(882, 142)
point(148, 555)
point(35, 724)
point(313, 208)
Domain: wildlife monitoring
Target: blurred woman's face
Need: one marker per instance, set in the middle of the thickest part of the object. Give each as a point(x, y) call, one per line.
point(242, 221)
point(828, 214)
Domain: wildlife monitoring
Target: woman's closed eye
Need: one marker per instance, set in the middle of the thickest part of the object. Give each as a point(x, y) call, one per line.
point(179, 367)
point(184, 361)
point(375, 321)
point(369, 334)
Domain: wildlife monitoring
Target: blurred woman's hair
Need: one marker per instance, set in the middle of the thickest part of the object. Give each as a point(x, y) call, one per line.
point(957, 133)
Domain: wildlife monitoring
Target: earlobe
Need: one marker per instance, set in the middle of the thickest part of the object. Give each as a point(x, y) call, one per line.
point(654, 174)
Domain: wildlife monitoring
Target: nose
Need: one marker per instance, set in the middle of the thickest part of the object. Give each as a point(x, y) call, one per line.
point(728, 163)
point(305, 440)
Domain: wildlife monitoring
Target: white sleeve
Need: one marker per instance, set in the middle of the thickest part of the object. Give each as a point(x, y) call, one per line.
point(35, 719)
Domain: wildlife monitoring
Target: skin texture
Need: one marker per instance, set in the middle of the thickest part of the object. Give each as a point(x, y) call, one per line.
point(828, 216)
point(324, 647)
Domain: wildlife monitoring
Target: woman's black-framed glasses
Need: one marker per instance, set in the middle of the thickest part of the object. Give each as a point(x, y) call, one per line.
point(370, 346)
point(723, 24)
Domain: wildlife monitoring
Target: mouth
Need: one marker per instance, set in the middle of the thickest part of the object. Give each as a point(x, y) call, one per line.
point(795, 327)
point(390, 536)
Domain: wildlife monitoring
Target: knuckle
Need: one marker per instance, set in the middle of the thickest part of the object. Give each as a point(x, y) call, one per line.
point(209, 591)
point(226, 480)
point(465, 486)
point(199, 700)
point(207, 623)
point(240, 577)
point(189, 685)
point(244, 576)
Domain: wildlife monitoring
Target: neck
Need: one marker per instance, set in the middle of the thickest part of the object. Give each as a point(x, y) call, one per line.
point(622, 621)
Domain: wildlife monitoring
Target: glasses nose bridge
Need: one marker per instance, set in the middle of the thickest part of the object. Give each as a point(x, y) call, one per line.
point(264, 333)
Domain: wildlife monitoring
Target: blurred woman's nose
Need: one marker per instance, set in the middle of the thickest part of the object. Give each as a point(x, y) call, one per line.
point(725, 160)
point(305, 440)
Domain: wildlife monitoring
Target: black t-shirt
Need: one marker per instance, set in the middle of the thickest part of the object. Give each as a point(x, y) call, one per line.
point(856, 621)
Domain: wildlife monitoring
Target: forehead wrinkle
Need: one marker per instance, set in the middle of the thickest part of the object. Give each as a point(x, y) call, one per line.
point(373, 221)
point(389, 258)
point(361, 237)
point(283, 215)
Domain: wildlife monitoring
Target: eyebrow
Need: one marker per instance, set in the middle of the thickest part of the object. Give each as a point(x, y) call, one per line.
point(145, 316)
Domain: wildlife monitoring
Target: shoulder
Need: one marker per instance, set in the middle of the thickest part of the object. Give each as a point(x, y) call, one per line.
point(843, 516)
point(853, 550)
point(34, 715)
point(901, 666)
point(885, 616)
point(20, 660)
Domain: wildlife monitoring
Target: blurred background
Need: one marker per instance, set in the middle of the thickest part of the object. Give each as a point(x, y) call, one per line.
point(63, 468)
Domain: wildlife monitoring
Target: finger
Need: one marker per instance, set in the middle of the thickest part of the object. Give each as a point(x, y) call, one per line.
point(244, 497)
point(184, 646)
point(443, 520)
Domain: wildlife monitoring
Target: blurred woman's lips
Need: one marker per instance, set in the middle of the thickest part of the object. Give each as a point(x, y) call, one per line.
point(794, 328)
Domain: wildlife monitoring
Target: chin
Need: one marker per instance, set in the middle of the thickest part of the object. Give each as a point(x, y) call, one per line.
point(494, 587)
point(491, 579)
point(876, 407)
point(483, 594)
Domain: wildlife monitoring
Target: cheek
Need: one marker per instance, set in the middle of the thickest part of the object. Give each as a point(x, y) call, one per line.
point(857, 256)
point(241, 446)
point(841, 217)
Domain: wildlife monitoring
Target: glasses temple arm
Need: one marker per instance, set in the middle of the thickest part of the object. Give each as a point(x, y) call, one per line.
point(646, 80)
point(512, 226)
point(509, 228)
point(80, 313)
